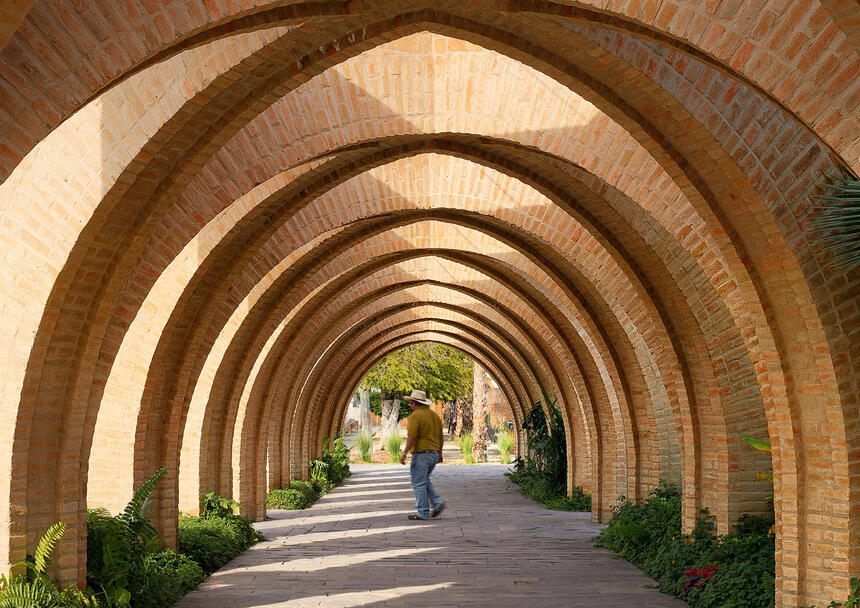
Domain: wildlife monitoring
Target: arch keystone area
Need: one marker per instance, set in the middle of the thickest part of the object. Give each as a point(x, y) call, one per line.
point(214, 220)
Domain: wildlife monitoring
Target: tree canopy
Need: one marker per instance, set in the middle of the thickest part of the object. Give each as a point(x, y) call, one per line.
point(443, 372)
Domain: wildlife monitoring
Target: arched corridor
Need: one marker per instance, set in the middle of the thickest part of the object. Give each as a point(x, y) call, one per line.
point(215, 217)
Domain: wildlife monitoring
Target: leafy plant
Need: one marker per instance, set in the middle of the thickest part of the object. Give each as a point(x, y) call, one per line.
point(34, 589)
point(213, 505)
point(117, 547)
point(467, 444)
point(169, 576)
point(289, 498)
point(542, 473)
point(213, 541)
point(393, 445)
point(762, 446)
point(505, 441)
point(732, 571)
point(365, 445)
point(839, 219)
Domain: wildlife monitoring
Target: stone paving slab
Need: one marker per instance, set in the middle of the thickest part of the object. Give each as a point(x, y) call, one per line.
point(491, 547)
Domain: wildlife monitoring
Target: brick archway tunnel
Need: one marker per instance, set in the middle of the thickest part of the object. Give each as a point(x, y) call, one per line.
point(215, 217)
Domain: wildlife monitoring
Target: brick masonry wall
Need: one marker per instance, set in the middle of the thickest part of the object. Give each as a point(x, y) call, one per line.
point(211, 225)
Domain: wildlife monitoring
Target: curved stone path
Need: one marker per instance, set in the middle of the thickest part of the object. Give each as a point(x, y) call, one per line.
point(490, 548)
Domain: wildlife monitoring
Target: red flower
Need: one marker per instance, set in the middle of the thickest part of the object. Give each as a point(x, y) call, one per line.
point(697, 578)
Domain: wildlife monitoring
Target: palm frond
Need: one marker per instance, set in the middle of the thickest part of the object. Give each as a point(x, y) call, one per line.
point(836, 222)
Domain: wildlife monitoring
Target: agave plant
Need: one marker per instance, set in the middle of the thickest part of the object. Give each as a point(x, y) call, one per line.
point(838, 221)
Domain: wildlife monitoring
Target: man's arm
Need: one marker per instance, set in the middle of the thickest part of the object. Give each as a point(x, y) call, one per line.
point(410, 443)
point(441, 443)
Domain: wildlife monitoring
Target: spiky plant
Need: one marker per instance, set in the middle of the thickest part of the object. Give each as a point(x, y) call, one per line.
point(365, 444)
point(505, 441)
point(467, 444)
point(837, 219)
point(393, 444)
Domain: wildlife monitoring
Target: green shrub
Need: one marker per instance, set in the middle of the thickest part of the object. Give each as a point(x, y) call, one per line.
point(365, 446)
point(393, 445)
point(291, 499)
point(168, 577)
point(308, 489)
point(649, 535)
point(505, 441)
point(542, 473)
point(337, 459)
point(214, 541)
point(467, 444)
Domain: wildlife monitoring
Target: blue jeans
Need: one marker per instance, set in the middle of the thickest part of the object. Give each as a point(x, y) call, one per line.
point(420, 468)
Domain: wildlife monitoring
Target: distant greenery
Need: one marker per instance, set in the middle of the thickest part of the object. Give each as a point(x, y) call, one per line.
point(708, 571)
point(542, 473)
point(441, 371)
point(393, 446)
point(505, 441)
point(365, 446)
point(467, 445)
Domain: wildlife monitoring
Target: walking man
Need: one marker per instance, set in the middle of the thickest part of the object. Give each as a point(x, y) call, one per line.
point(424, 438)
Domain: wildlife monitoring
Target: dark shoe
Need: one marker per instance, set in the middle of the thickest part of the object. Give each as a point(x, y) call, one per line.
point(437, 511)
point(414, 517)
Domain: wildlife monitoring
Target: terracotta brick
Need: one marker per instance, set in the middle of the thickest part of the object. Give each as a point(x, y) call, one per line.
point(211, 226)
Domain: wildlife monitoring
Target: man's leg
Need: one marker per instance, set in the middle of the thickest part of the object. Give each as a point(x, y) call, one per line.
point(418, 470)
point(435, 500)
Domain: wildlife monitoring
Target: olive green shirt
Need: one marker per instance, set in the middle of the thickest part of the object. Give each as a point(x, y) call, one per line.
point(426, 427)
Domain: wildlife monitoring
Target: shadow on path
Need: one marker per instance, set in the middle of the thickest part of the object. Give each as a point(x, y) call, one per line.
point(491, 547)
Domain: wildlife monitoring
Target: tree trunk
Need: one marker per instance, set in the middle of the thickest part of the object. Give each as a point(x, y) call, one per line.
point(464, 415)
point(364, 424)
point(390, 410)
point(449, 416)
point(479, 414)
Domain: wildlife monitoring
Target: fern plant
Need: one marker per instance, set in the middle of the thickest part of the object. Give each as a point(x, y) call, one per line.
point(117, 546)
point(34, 589)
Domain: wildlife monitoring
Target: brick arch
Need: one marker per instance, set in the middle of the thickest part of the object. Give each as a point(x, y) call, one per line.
point(447, 319)
point(409, 330)
point(282, 374)
point(747, 43)
point(765, 359)
point(570, 376)
point(366, 351)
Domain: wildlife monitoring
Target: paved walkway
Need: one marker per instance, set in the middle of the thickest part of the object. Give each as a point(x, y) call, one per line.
point(490, 548)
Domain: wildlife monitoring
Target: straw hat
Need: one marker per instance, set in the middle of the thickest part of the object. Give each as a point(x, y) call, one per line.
point(419, 397)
